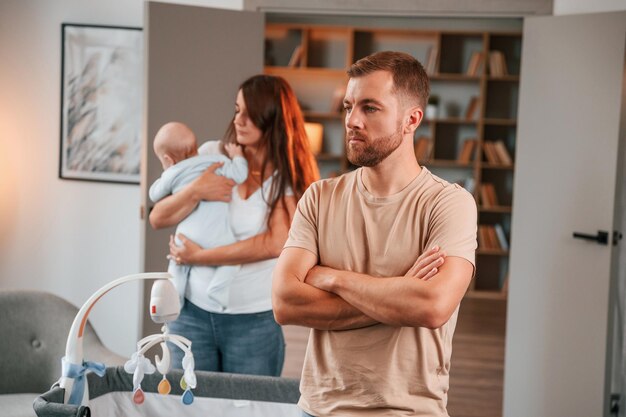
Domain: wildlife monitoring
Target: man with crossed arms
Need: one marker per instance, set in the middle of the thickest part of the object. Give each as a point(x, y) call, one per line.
point(382, 322)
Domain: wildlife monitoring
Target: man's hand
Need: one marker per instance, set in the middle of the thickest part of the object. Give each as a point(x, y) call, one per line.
point(321, 277)
point(296, 302)
point(212, 187)
point(425, 267)
point(427, 264)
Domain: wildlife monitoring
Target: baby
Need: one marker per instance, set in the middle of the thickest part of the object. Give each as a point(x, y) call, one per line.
point(208, 225)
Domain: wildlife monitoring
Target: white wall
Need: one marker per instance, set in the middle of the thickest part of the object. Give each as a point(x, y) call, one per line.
point(65, 237)
point(563, 7)
point(71, 237)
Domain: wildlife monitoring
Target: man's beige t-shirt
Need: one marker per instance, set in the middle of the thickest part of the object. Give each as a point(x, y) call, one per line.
point(380, 370)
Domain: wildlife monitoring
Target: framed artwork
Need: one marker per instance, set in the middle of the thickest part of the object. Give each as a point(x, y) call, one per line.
point(101, 103)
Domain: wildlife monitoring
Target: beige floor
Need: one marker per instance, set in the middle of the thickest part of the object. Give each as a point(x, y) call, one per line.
point(477, 358)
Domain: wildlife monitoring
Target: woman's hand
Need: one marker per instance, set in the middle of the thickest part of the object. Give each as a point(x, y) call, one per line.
point(174, 208)
point(212, 187)
point(427, 264)
point(185, 254)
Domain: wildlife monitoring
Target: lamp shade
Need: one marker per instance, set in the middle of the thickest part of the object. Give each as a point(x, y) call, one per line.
point(314, 132)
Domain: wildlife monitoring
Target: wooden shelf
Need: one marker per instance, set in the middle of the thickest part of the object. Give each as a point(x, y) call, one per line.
point(328, 50)
point(486, 165)
point(443, 163)
point(455, 77)
point(313, 71)
point(328, 157)
point(495, 209)
point(456, 121)
point(511, 78)
point(492, 252)
point(486, 294)
point(323, 115)
point(500, 122)
point(506, 33)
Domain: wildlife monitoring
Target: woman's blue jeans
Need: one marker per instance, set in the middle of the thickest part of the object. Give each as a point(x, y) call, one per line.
point(236, 343)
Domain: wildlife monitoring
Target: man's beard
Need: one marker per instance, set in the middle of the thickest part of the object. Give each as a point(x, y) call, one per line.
point(372, 152)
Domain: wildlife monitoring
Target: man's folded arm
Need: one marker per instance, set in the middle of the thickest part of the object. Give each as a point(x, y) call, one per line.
point(400, 301)
point(296, 302)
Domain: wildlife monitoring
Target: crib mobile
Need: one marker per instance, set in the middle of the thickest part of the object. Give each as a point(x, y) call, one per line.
point(164, 308)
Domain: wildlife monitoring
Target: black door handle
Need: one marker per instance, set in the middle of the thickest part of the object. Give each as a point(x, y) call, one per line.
point(602, 237)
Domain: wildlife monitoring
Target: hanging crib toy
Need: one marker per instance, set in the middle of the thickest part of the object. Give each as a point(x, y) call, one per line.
point(139, 365)
point(164, 308)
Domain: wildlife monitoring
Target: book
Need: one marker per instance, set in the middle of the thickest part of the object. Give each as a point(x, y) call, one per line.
point(497, 64)
point(493, 238)
point(336, 104)
point(502, 60)
point(485, 198)
point(502, 152)
point(491, 190)
point(490, 153)
point(423, 148)
point(504, 244)
point(487, 239)
point(467, 152)
point(482, 237)
point(475, 64)
point(472, 108)
point(296, 57)
point(493, 65)
point(431, 60)
point(488, 195)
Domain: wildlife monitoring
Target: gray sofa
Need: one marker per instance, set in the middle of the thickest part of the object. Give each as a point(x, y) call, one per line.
point(33, 331)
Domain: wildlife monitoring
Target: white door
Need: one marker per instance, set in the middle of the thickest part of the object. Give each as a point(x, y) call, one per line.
point(565, 182)
point(196, 57)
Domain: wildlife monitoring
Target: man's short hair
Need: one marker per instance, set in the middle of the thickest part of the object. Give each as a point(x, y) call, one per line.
point(409, 77)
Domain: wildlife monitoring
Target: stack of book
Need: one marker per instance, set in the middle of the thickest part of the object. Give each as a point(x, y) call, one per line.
point(492, 237)
point(496, 153)
point(467, 152)
point(497, 64)
point(475, 66)
point(423, 148)
point(488, 196)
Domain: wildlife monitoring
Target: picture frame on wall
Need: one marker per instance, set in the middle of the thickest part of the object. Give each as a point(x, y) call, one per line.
point(101, 102)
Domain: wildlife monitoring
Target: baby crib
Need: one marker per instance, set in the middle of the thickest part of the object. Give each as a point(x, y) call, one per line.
point(216, 394)
point(137, 389)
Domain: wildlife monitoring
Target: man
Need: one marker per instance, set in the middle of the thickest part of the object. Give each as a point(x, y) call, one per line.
point(381, 337)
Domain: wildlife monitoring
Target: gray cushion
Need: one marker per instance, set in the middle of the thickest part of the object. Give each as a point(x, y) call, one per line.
point(34, 329)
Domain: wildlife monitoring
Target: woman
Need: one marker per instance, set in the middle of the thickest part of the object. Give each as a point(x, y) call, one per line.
point(245, 338)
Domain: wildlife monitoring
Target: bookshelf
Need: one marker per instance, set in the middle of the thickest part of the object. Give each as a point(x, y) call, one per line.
point(469, 139)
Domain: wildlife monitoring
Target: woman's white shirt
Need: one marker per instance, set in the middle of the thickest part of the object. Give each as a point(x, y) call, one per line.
point(250, 290)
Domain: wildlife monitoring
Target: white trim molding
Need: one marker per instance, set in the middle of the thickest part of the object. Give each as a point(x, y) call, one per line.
point(475, 8)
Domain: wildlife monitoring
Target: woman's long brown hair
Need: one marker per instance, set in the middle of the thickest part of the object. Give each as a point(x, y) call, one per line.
point(273, 108)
